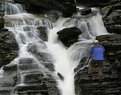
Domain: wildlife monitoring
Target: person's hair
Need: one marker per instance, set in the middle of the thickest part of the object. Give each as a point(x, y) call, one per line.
point(96, 41)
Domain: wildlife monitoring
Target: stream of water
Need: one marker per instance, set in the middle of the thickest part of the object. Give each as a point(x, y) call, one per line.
point(24, 26)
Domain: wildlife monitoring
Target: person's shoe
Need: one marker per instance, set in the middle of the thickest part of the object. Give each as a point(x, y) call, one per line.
point(100, 81)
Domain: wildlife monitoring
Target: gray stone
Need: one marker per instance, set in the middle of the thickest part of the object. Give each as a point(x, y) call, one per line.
point(43, 33)
point(34, 78)
point(96, 3)
point(111, 17)
point(67, 7)
point(69, 36)
point(8, 47)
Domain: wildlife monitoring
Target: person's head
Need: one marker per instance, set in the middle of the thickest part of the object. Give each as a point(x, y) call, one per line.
point(95, 42)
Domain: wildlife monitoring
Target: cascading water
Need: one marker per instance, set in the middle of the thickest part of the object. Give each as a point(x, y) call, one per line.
point(68, 59)
point(24, 26)
point(13, 8)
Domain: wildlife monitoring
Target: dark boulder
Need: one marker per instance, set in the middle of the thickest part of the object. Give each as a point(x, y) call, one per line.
point(96, 3)
point(85, 11)
point(8, 47)
point(114, 8)
point(114, 29)
point(111, 18)
point(68, 36)
point(67, 7)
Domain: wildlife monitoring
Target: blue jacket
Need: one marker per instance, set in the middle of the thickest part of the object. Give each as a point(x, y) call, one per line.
point(97, 52)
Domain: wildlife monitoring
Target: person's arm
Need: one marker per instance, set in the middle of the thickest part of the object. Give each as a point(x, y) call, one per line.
point(90, 51)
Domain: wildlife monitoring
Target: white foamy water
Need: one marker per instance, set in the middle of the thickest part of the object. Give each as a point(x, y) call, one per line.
point(62, 60)
point(65, 59)
point(24, 27)
point(13, 9)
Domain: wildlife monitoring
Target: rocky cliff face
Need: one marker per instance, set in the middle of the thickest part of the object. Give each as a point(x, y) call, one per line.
point(111, 84)
point(8, 44)
point(39, 84)
point(8, 47)
point(111, 17)
point(111, 78)
point(67, 7)
point(96, 3)
point(8, 52)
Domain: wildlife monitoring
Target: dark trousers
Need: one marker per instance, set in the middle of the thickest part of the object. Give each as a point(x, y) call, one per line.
point(96, 63)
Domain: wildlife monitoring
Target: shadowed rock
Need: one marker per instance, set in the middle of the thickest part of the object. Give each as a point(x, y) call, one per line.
point(33, 78)
point(31, 87)
point(111, 42)
point(68, 36)
point(43, 33)
point(67, 7)
point(8, 47)
point(85, 11)
point(111, 17)
point(86, 86)
point(1, 19)
point(96, 3)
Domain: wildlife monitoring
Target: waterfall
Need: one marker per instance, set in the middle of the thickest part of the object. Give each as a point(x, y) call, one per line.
point(13, 8)
point(24, 26)
point(62, 60)
point(68, 59)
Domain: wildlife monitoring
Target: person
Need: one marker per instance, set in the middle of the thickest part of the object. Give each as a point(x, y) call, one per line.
point(97, 52)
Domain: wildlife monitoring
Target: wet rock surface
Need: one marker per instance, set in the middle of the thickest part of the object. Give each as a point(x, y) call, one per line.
point(8, 47)
point(112, 44)
point(8, 44)
point(96, 3)
point(1, 22)
point(1, 19)
point(37, 82)
point(111, 84)
point(26, 78)
point(42, 55)
point(7, 83)
point(111, 17)
point(85, 11)
point(67, 7)
point(43, 33)
point(87, 86)
point(68, 36)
